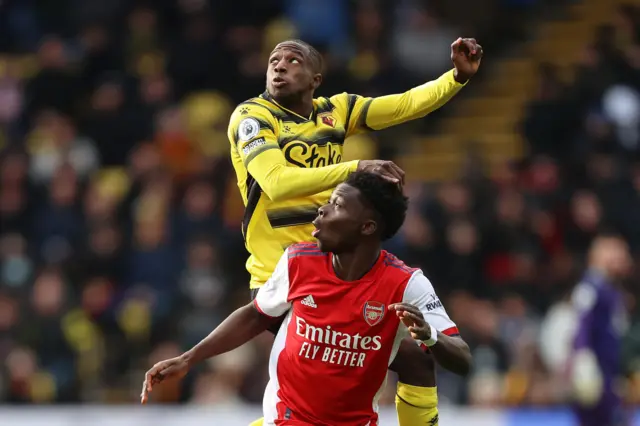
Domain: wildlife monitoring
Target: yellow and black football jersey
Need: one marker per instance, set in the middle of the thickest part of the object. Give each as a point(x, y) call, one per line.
point(287, 165)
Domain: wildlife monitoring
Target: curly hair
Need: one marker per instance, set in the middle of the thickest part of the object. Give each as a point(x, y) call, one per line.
point(384, 197)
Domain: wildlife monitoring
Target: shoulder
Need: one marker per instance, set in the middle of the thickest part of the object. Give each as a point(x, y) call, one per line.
point(255, 109)
point(344, 101)
point(304, 250)
point(419, 283)
point(304, 259)
point(584, 296)
point(397, 266)
point(325, 105)
point(349, 101)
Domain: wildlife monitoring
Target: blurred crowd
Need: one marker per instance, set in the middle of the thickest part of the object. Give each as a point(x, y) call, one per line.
point(120, 239)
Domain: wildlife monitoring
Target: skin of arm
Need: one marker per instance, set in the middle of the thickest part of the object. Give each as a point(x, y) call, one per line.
point(423, 314)
point(240, 327)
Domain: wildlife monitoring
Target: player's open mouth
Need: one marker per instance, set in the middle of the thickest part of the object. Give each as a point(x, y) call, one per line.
point(279, 82)
point(316, 231)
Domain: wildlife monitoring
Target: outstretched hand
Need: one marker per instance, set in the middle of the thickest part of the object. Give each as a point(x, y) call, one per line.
point(174, 368)
point(412, 318)
point(466, 55)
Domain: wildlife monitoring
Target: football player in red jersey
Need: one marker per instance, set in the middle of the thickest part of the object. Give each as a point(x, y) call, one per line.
point(337, 338)
point(286, 150)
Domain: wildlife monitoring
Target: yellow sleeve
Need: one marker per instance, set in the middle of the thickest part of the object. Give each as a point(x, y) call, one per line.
point(385, 111)
point(253, 135)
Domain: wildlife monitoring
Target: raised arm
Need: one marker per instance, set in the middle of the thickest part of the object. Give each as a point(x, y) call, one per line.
point(237, 329)
point(428, 322)
point(271, 302)
point(386, 111)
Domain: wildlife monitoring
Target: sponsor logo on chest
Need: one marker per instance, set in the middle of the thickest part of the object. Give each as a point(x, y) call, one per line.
point(306, 155)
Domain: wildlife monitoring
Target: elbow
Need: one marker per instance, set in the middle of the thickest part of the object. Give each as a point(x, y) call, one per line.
point(271, 184)
point(274, 191)
point(466, 364)
point(465, 360)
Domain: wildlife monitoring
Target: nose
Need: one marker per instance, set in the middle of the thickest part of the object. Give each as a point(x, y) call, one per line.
point(321, 211)
point(281, 66)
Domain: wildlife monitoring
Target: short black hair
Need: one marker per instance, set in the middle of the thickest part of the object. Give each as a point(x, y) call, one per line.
point(317, 62)
point(384, 197)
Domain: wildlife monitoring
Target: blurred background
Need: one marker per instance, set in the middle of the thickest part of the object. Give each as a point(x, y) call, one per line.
point(120, 240)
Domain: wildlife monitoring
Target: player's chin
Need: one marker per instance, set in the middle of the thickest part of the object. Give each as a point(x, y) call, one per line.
point(324, 245)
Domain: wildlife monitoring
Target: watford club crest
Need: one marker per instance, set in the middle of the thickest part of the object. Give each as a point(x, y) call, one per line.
point(373, 312)
point(329, 120)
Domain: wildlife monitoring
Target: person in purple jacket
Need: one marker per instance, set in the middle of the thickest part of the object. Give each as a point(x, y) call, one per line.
point(595, 364)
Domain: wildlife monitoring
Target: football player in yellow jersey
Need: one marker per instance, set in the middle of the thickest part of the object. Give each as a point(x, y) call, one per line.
point(286, 149)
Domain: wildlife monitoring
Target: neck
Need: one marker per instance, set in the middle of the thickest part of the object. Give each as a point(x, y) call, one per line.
point(354, 265)
point(303, 105)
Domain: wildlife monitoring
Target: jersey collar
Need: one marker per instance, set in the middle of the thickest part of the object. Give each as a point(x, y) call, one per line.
point(295, 117)
point(369, 275)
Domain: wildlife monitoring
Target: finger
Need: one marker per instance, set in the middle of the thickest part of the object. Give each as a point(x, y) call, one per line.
point(407, 307)
point(399, 306)
point(399, 172)
point(470, 46)
point(144, 395)
point(391, 171)
point(455, 46)
point(407, 322)
point(148, 380)
point(479, 52)
point(387, 176)
point(417, 319)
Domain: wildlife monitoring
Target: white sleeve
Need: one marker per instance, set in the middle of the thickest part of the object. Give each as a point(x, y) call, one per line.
point(273, 297)
point(420, 293)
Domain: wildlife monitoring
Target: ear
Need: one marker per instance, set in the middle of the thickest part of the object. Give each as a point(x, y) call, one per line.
point(317, 81)
point(369, 228)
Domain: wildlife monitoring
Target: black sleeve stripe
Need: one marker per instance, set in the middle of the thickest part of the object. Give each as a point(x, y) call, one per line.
point(254, 192)
point(350, 105)
point(258, 151)
point(362, 120)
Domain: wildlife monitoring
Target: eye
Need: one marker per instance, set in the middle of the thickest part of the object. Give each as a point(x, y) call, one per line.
point(295, 61)
point(272, 60)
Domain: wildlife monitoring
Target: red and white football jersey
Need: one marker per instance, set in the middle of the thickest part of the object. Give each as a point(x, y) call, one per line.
point(330, 357)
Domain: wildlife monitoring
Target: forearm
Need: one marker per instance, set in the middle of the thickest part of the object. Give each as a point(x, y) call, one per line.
point(386, 111)
point(280, 181)
point(239, 327)
point(452, 353)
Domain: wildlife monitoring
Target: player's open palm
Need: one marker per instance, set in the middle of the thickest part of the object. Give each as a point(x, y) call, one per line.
point(174, 368)
point(412, 318)
point(466, 55)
